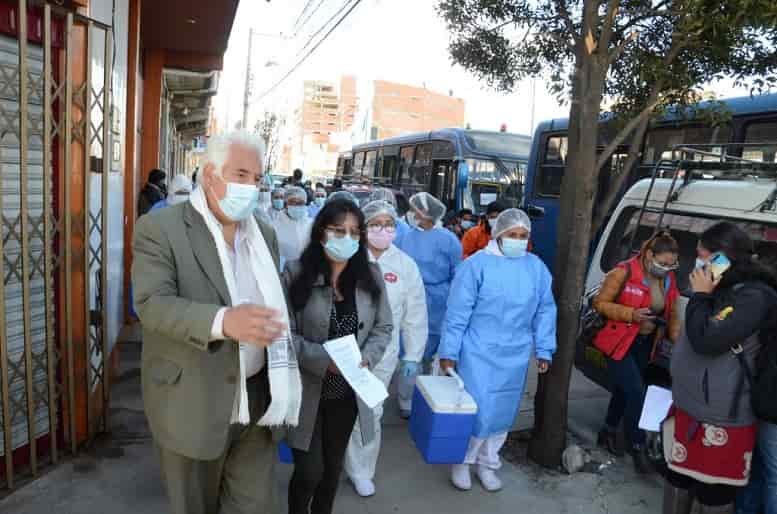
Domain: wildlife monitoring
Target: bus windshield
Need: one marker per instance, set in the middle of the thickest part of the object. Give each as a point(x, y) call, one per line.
point(491, 180)
point(501, 143)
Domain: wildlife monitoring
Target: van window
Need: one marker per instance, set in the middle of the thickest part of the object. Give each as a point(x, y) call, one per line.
point(660, 141)
point(554, 165)
point(686, 228)
point(761, 132)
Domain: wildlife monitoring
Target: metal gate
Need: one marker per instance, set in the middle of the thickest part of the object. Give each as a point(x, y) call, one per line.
point(55, 150)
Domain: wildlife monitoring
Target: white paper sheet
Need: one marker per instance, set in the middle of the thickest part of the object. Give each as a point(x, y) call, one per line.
point(347, 357)
point(657, 403)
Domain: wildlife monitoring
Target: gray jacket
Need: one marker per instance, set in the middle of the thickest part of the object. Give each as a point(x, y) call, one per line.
point(189, 382)
point(708, 380)
point(310, 328)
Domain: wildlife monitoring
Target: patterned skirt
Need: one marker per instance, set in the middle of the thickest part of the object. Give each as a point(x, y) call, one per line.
point(707, 453)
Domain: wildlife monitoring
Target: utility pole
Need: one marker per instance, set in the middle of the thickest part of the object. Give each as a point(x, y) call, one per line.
point(247, 91)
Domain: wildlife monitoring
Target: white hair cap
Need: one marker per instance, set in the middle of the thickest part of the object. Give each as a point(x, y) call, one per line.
point(343, 195)
point(378, 207)
point(218, 146)
point(428, 205)
point(385, 194)
point(510, 219)
point(296, 192)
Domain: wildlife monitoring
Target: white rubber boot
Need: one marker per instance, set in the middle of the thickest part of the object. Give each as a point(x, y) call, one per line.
point(488, 478)
point(364, 488)
point(461, 478)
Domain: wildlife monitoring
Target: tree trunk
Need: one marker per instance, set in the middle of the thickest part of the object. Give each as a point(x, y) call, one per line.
point(578, 191)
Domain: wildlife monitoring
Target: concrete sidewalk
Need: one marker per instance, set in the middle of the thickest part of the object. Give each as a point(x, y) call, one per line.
point(119, 473)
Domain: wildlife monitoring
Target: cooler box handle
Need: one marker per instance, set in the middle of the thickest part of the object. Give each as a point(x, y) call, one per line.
point(460, 382)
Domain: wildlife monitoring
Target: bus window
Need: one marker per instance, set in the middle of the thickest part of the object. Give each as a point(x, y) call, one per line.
point(443, 150)
point(369, 164)
point(390, 168)
point(356, 165)
point(421, 170)
point(553, 166)
point(405, 161)
point(761, 132)
point(660, 141)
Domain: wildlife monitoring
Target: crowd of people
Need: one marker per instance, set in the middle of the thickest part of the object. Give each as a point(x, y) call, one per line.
point(238, 283)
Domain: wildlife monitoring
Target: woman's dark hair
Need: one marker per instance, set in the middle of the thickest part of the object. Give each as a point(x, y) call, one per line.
point(661, 242)
point(314, 263)
point(734, 243)
point(403, 205)
point(494, 207)
point(156, 176)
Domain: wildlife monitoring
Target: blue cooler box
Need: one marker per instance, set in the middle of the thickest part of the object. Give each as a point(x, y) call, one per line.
point(284, 453)
point(442, 419)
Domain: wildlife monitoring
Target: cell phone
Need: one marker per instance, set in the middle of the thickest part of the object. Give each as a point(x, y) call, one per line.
point(718, 265)
point(659, 322)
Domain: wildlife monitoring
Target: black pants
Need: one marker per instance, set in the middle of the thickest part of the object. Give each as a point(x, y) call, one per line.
point(712, 495)
point(317, 471)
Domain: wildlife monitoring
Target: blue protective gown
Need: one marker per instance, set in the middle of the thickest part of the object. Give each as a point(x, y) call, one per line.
point(499, 311)
point(402, 228)
point(437, 253)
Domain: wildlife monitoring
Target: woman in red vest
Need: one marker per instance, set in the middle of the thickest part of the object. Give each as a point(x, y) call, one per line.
point(639, 300)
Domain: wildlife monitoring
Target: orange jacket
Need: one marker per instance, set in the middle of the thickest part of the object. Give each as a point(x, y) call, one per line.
point(475, 239)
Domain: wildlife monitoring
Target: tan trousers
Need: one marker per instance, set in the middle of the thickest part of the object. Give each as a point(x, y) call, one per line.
point(239, 482)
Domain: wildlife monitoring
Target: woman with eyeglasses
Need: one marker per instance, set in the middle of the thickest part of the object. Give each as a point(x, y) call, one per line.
point(639, 300)
point(407, 298)
point(334, 291)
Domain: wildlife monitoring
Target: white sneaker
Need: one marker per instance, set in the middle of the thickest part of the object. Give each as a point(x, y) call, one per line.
point(364, 488)
point(488, 478)
point(461, 477)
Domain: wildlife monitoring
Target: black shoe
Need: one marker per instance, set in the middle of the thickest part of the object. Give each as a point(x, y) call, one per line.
point(608, 440)
point(642, 463)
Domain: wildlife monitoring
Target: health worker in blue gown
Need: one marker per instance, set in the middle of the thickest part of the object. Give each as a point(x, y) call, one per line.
point(501, 312)
point(437, 252)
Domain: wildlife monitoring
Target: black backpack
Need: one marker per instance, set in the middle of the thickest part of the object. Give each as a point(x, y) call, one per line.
point(763, 380)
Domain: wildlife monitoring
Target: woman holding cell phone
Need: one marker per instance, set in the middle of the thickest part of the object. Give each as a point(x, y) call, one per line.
point(639, 300)
point(710, 433)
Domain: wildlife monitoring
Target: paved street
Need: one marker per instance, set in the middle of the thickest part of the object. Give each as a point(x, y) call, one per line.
point(119, 475)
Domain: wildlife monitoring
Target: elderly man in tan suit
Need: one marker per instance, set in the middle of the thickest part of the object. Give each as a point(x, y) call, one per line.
point(218, 369)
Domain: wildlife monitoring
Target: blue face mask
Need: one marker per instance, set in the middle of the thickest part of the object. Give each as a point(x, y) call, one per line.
point(297, 212)
point(514, 248)
point(278, 204)
point(320, 200)
point(240, 201)
point(466, 224)
point(341, 249)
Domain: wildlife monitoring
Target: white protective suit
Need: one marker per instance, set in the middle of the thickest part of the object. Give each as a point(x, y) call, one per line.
point(407, 297)
point(293, 236)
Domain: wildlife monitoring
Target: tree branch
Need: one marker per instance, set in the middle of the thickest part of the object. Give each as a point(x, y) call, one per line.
point(561, 7)
point(628, 129)
point(609, 23)
point(616, 52)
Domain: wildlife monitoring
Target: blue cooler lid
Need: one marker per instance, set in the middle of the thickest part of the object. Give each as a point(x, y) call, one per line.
point(444, 396)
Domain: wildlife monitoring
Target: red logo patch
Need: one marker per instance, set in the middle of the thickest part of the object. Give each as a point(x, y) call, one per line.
point(390, 277)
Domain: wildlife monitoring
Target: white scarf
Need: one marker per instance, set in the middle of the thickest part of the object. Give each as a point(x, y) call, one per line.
point(493, 248)
point(283, 370)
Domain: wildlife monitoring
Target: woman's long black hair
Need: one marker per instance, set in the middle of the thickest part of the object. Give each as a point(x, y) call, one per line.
point(314, 262)
point(729, 239)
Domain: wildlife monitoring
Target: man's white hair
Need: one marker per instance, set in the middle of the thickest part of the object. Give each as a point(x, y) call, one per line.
point(218, 146)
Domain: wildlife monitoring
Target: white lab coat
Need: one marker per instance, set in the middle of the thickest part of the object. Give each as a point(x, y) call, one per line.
point(293, 236)
point(407, 298)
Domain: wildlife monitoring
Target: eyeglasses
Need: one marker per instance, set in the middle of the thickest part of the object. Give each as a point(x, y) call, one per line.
point(389, 227)
point(341, 232)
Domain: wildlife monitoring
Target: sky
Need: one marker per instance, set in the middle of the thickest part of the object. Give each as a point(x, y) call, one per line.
point(397, 40)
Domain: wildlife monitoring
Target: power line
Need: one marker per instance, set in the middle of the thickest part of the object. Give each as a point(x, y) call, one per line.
point(321, 29)
point(306, 20)
point(301, 14)
point(305, 57)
